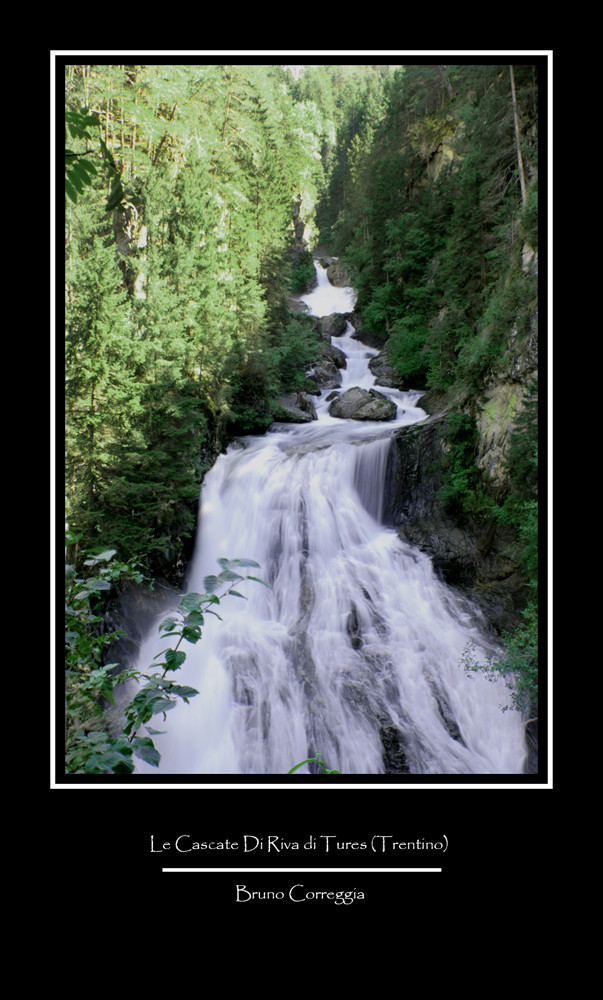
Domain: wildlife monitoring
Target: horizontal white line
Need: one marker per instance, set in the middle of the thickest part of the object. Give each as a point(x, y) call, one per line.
point(300, 871)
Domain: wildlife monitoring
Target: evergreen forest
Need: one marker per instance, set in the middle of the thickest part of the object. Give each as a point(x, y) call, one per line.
point(194, 197)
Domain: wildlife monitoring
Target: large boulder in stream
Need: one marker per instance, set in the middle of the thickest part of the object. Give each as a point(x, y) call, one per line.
point(363, 404)
point(333, 325)
point(336, 272)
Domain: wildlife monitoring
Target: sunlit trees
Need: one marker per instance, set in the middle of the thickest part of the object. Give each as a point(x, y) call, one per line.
point(177, 274)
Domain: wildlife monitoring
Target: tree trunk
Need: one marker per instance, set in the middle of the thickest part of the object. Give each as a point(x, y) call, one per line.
point(522, 179)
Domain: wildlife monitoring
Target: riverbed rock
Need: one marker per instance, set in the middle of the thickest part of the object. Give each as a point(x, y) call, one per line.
point(363, 404)
point(363, 332)
point(287, 410)
point(474, 555)
point(384, 372)
point(333, 325)
point(336, 272)
point(306, 405)
point(337, 356)
point(323, 375)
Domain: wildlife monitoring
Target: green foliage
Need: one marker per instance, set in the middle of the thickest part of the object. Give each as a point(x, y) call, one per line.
point(303, 272)
point(518, 663)
point(431, 222)
point(317, 759)
point(89, 745)
point(80, 171)
point(519, 507)
point(177, 332)
point(529, 217)
point(406, 350)
point(298, 345)
point(94, 742)
point(459, 476)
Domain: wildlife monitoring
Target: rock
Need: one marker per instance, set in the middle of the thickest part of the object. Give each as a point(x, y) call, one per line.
point(338, 357)
point(336, 272)
point(333, 325)
point(295, 305)
point(474, 557)
point(286, 410)
point(385, 373)
point(306, 405)
point(324, 375)
point(363, 404)
point(363, 333)
point(495, 422)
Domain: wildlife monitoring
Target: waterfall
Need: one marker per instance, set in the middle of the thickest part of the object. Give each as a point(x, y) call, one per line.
point(355, 648)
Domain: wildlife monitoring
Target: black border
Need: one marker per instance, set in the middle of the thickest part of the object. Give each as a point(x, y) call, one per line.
point(481, 821)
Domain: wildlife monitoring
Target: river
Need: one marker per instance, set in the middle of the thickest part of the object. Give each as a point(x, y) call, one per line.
point(355, 650)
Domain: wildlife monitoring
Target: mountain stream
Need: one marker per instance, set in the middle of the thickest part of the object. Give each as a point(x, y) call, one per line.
point(355, 650)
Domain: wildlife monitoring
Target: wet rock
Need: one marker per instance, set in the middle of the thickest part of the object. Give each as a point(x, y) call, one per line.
point(287, 410)
point(475, 556)
point(363, 404)
point(385, 374)
point(324, 375)
point(306, 405)
point(333, 325)
point(394, 749)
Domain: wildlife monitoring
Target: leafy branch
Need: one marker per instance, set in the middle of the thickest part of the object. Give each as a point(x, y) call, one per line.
point(160, 693)
point(91, 746)
point(81, 171)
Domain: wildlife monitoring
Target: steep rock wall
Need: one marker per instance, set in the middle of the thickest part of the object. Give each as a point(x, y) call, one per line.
point(474, 555)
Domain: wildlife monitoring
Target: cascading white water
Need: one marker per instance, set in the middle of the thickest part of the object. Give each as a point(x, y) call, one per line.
point(356, 645)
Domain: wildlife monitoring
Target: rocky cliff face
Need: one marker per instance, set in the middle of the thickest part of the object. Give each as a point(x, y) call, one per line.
point(502, 402)
point(473, 556)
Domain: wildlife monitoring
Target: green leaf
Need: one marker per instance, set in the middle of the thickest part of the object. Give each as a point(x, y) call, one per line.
point(107, 154)
point(106, 555)
point(162, 705)
point(211, 583)
point(116, 196)
point(107, 692)
point(257, 580)
point(191, 602)
point(174, 659)
point(75, 180)
point(183, 691)
point(194, 618)
point(192, 633)
point(167, 623)
point(98, 584)
point(88, 166)
point(146, 750)
point(71, 192)
point(235, 593)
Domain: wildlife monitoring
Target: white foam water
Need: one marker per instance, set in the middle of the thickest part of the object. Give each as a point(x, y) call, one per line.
point(355, 649)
